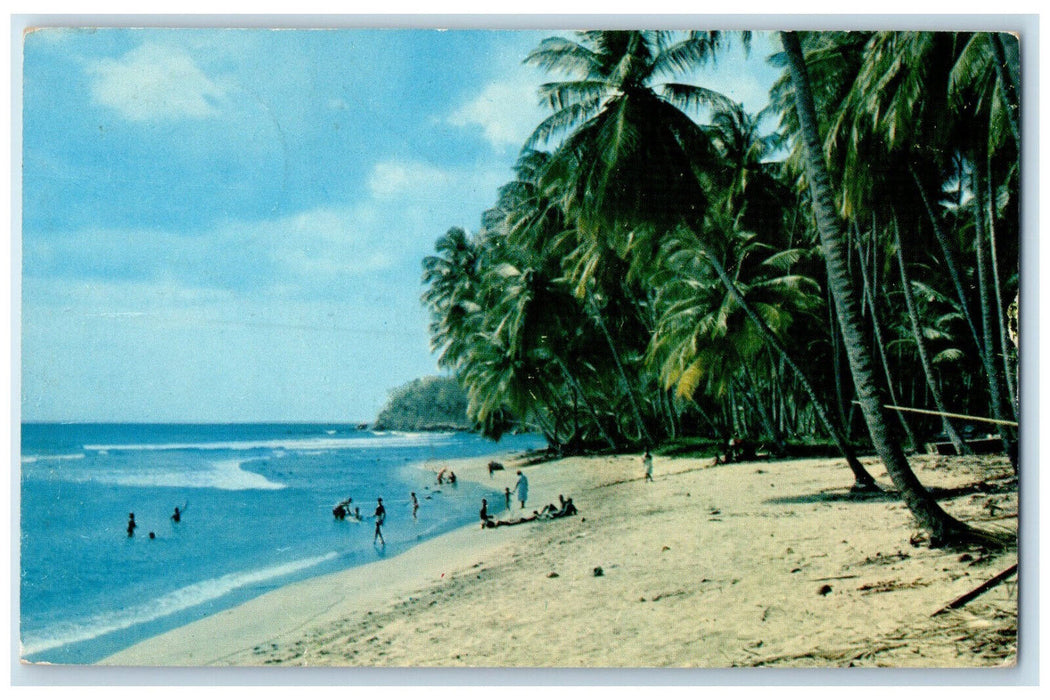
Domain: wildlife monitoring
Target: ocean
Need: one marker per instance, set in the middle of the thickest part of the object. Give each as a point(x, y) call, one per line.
point(256, 503)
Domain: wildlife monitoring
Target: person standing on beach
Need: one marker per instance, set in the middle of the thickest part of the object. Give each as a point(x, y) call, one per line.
point(415, 507)
point(131, 525)
point(486, 519)
point(506, 498)
point(647, 461)
point(380, 518)
point(522, 488)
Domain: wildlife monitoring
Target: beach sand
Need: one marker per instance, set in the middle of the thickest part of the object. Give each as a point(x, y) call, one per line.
point(754, 564)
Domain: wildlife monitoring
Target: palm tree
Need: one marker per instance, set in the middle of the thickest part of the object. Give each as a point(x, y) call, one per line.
point(453, 279)
point(938, 98)
point(694, 330)
point(942, 527)
point(634, 166)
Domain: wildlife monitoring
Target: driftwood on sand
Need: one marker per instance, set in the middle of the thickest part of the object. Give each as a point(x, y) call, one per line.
point(983, 588)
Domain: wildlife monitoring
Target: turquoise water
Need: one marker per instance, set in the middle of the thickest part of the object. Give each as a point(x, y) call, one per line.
point(257, 514)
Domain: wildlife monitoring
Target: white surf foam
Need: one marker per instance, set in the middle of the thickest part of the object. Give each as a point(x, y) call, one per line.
point(174, 602)
point(33, 459)
point(227, 475)
point(385, 440)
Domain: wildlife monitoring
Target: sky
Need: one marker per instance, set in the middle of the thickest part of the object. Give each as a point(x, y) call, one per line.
point(229, 225)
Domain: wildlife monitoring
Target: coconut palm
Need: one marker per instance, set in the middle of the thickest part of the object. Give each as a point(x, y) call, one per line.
point(935, 98)
point(942, 527)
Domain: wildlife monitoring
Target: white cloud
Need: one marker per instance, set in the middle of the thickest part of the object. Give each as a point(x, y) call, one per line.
point(155, 82)
point(392, 178)
point(506, 112)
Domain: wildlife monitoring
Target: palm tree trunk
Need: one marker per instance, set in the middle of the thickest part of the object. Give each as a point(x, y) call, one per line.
point(881, 347)
point(587, 404)
point(863, 481)
point(991, 367)
point(920, 346)
point(703, 414)
point(779, 448)
point(639, 423)
point(1011, 389)
point(836, 369)
point(949, 260)
point(942, 527)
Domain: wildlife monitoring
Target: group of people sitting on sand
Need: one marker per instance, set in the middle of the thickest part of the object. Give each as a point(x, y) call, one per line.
point(550, 511)
point(738, 450)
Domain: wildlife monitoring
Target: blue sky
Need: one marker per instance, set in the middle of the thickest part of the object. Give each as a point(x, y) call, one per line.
point(228, 225)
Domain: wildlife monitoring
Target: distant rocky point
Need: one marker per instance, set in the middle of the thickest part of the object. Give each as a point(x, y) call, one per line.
point(427, 404)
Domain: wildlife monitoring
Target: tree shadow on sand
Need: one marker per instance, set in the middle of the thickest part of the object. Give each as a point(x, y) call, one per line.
point(993, 486)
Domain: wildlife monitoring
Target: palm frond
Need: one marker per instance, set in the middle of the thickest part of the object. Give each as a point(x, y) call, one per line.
point(693, 98)
point(565, 56)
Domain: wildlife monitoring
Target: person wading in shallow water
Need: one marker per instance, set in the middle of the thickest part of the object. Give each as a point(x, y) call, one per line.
point(380, 517)
point(131, 525)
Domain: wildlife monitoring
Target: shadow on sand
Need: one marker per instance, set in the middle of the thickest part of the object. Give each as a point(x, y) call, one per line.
point(940, 494)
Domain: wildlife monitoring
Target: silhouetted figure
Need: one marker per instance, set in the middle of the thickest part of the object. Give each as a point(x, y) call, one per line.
point(741, 450)
point(152, 536)
point(486, 519)
point(176, 517)
point(339, 512)
point(131, 525)
point(647, 462)
point(452, 477)
point(415, 506)
point(506, 498)
point(380, 518)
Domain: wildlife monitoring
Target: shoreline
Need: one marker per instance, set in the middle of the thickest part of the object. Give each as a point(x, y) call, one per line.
point(282, 611)
point(751, 564)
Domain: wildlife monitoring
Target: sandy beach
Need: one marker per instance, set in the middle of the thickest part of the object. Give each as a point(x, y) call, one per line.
point(769, 563)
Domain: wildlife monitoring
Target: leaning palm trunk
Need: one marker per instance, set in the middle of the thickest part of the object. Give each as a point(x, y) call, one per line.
point(586, 403)
point(943, 528)
point(863, 481)
point(639, 423)
point(762, 410)
point(1011, 389)
point(949, 261)
point(920, 346)
point(991, 367)
point(881, 347)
